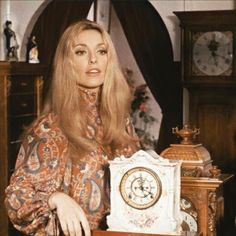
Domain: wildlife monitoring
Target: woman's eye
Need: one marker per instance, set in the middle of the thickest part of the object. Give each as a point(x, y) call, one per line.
point(102, 51)
point(80, 52)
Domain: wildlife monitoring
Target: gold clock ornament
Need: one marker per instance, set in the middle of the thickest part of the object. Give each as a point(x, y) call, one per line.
point(196, 160)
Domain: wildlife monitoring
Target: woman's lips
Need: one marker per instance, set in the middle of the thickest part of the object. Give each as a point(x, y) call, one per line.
point(93, 72)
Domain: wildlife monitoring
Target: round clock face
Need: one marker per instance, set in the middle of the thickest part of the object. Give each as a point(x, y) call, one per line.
point(189, 215)
point(140, 187)
point(213, 53)
point(189, 223)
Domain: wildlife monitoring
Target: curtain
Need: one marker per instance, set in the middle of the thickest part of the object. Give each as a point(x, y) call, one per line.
point(151, 45)
point(52, 23)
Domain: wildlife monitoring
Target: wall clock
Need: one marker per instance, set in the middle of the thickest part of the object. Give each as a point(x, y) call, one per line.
point(212, 53)
point(145, 194)
point(208, 46)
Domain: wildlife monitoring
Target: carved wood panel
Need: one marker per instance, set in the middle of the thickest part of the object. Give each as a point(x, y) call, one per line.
point(213, 110)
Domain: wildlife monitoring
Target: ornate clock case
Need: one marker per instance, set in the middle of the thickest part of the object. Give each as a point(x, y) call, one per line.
point(145, 194)
point(202, 202)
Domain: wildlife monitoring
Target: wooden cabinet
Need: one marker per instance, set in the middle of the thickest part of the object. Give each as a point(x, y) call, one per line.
point(20, 103)
point(206, 196)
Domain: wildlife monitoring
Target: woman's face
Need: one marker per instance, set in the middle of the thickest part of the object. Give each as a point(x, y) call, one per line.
point(90, 58)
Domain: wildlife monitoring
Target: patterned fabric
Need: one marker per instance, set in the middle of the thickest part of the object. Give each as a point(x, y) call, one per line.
point(43, 167)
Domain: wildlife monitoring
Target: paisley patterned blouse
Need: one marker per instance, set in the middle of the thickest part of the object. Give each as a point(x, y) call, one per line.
point(43, 167)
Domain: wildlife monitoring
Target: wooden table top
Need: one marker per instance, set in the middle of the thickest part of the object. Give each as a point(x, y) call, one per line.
point(117, 233)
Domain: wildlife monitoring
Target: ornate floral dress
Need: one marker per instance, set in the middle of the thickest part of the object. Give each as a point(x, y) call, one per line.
point(43, 166)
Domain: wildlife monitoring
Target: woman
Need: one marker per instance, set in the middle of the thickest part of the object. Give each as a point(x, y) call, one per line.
point(59, 182)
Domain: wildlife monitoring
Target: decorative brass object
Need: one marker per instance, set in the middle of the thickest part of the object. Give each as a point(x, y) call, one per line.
point(215, 172)
point(212, 208)
point(196, 160)
point(187, 134)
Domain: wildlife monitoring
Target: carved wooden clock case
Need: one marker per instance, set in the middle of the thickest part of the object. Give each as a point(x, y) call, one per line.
point(202, 202)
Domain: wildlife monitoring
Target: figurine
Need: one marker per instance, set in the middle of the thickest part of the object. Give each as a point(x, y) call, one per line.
point(11, 42)
point(32, 50)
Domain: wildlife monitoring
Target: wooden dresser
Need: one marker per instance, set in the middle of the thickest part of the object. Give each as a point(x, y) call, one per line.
point(21, 98)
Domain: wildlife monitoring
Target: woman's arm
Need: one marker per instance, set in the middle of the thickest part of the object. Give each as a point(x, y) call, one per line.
point(40, 171)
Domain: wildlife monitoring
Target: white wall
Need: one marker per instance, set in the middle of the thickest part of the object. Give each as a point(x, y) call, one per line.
point(166, 8)
point(23, 14)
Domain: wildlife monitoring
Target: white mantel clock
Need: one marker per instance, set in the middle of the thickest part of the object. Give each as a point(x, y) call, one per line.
point(145, 194)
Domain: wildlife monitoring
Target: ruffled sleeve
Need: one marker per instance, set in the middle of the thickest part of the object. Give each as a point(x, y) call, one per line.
point(40, 170)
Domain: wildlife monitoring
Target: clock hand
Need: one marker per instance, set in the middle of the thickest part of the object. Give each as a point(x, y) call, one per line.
point(143, 191)
point(216, 61)
point(142, 188)
point(147, 190)
point(213, 45)
point(214, 56)
point(223, 57)
point(140, 182)
point(149, 193)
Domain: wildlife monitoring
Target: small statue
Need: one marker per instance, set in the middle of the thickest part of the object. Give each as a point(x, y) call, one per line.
point(32, 50)
point(11, 42)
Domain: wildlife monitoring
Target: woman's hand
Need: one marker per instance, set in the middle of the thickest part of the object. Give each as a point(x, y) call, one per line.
point(71, 216)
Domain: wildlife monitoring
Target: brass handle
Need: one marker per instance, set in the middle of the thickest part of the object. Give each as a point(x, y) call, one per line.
point(23, 84)
point(17, 141)
point(24, 105)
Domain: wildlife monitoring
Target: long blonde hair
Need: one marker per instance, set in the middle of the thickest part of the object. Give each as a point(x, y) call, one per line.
point(65, 102)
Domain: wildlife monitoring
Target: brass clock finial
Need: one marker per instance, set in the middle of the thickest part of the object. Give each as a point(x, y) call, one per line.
point(187, 134)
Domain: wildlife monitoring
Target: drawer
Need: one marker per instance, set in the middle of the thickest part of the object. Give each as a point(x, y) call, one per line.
point(22, 104)
point(22, 84)
point(17, 126)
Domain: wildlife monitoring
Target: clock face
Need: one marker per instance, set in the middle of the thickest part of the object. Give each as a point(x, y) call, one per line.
point(189, 215)
point(140, 187)
point(212, 53)
point(189, 223)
